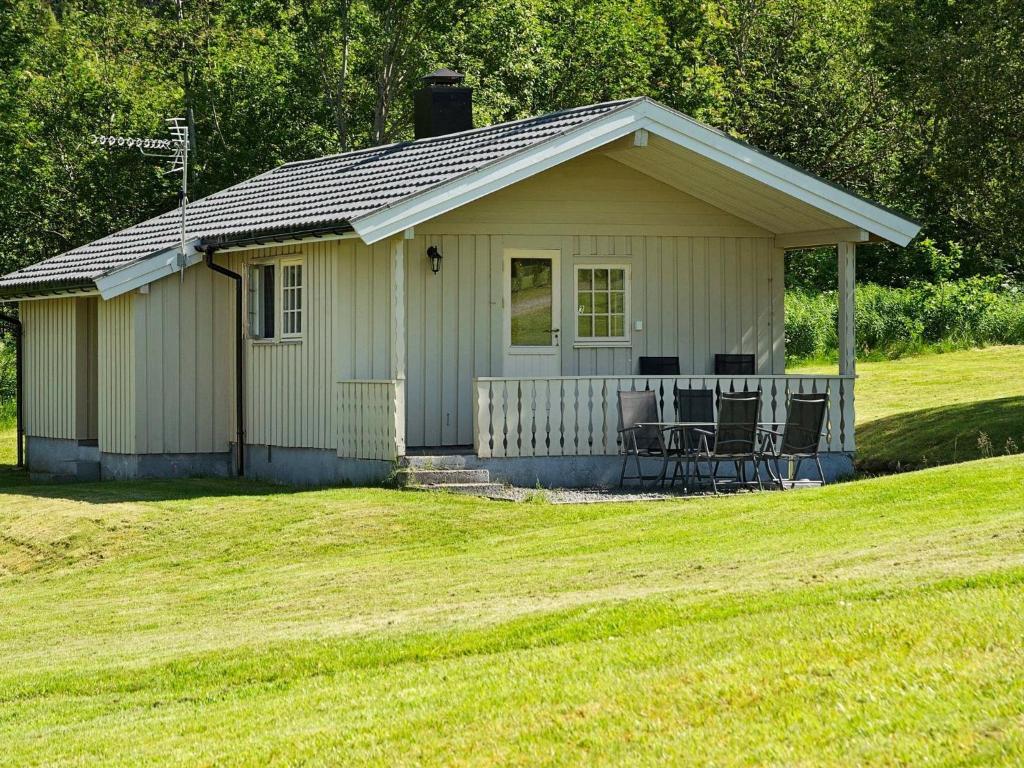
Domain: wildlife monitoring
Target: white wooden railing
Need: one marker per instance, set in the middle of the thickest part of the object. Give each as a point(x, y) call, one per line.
point(370, 418)
point(579, 415)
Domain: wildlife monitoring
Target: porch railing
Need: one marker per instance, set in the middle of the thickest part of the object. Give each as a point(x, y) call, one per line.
point(370, 418)
point(579, 415)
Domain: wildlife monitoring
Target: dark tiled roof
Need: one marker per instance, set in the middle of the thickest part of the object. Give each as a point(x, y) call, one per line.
point(310, 194)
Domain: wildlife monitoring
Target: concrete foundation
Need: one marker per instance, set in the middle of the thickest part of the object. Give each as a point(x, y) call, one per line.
point(312, 466)
point(121, 466)
point(594, 471)
point(54, 459)
point(58, 460)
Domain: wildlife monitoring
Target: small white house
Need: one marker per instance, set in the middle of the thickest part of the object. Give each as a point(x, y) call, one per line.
point(484, 293)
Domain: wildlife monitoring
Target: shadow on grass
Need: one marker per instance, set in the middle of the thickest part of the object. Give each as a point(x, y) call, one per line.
point(943, 435)
point(17, 481)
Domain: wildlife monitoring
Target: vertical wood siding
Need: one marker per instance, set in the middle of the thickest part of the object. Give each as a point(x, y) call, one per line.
point(290, 385)
point(117, 392)
point(184, 364)
point(696, 296)
point(50, 367)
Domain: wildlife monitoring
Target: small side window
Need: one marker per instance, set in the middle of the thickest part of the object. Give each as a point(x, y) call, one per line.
point(261, 301)
point(291, 299)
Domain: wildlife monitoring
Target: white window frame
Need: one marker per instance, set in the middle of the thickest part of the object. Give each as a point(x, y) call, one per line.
point(282, 263)
point(278, 263)
point(602, 341)
point(250, 296)
point(555, 257)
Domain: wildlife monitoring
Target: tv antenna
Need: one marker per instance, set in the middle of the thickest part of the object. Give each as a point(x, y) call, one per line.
point(174, 151)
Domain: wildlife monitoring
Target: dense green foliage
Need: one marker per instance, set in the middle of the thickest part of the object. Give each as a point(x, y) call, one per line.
point(896, 321)
point(915, 103)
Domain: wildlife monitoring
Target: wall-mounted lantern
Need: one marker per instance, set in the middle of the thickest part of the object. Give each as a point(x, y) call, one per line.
point(435, 259)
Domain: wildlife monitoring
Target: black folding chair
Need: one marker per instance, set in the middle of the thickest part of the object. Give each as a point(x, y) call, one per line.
point(695, 406)
point(734, 365)
point(659, 366)
point(638, 413)
point(800, 436)
point(734, 438)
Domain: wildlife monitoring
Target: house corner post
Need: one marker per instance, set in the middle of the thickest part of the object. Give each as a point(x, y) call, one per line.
point(847, 252)
point(398, 338)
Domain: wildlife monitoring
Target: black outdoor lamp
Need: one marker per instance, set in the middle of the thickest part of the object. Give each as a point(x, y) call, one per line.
point(435, 259)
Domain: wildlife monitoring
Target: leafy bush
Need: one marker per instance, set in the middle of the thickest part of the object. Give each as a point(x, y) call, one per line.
point(8, 373)
point(896, 321)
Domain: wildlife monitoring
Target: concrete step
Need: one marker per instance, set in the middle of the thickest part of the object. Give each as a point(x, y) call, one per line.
point(440, 461)
point(488, 490)
point(415, 476)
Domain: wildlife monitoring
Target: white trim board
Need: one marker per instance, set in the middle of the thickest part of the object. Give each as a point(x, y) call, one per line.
point(144, 271)
point(639, 115)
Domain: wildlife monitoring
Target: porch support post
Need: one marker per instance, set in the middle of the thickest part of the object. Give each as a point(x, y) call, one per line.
point(847, 281)
point(398, 336)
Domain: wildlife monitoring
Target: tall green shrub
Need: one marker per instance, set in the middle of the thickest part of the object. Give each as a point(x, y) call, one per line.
point(895, 321)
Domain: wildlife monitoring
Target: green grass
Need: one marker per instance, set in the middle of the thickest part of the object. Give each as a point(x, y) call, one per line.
point(931, 409)
point(227, 622)
point(213, 622)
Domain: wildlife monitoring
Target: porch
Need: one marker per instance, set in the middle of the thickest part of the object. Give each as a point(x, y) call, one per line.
point(541, 415)
point(579, 415)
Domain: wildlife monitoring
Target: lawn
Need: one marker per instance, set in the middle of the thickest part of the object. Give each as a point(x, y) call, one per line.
point(932, 409)
point(228, 622)
point(214, 622)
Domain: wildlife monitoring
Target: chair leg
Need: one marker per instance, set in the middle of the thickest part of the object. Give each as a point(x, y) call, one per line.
point(639, 471)
point(778, 471)
point(821, 472)
point(622, 474)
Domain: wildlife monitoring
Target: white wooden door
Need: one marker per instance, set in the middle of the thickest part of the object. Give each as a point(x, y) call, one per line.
point(531, 313)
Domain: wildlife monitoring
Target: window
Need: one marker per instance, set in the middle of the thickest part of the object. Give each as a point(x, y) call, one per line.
point(275, 300)
point(602, 303)
point(261, 301)
point(291, 299)
point(531, 296)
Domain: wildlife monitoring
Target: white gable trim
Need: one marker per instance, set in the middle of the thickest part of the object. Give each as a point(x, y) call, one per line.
point(640, 115)
point(146, 270)
point(776, 174)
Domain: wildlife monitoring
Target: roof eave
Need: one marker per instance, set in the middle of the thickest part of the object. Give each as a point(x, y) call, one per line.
point(46, 289)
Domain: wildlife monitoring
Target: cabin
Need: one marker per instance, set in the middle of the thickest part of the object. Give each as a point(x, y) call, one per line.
point(477, 292)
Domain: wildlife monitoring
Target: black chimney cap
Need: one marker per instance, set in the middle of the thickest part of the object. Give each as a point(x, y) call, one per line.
point(444, 77)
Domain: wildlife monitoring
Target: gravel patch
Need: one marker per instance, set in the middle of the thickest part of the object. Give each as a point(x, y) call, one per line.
point(585, 495)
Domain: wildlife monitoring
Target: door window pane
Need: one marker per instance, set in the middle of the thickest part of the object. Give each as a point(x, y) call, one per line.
point(531, 311)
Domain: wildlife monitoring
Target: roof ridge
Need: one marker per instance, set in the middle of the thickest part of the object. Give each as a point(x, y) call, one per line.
point(448, 136)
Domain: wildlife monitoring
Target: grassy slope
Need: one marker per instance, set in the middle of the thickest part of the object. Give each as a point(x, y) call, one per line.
point(930, 409)
point(225, 622)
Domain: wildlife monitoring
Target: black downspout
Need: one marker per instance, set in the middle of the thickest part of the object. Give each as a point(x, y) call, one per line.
point(15, 323)
point(239, 356)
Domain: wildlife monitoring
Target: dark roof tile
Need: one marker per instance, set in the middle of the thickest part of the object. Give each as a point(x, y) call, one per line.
point(326, 191)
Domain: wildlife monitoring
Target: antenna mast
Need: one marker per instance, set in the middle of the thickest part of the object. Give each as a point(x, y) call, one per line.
point(173, 150)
